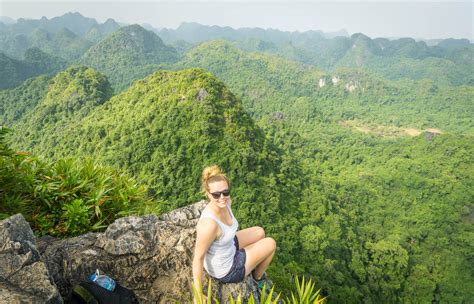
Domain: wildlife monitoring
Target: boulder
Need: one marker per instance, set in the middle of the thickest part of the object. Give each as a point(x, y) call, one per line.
point(24, 277)
point(149, 254)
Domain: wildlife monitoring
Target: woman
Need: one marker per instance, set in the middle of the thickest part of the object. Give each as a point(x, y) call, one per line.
point(227, 255)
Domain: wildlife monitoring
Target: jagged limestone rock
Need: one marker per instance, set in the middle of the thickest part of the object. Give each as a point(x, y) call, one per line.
point(150, 255)
point(24, 277)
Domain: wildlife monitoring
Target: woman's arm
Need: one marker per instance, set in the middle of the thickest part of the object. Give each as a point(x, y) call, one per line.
point(207, 230)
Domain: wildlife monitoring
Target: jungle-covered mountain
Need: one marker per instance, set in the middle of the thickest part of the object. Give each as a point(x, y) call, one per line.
point(364, 181)
point(128, 54)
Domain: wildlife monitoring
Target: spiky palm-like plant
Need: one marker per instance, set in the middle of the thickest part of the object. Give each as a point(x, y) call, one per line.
point(305, 294)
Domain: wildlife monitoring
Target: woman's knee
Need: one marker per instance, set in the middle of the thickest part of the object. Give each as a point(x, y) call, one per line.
point(270, 243)
point(259, 232)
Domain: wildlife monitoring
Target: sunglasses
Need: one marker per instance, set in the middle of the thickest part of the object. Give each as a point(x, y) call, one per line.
point(217, 195)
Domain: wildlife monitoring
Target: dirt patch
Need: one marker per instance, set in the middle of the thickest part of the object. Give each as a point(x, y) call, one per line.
point(384, 131)
point(434, 130)
point(412, 131)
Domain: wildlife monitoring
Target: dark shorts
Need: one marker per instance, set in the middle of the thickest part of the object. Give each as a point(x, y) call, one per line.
point(237, 271)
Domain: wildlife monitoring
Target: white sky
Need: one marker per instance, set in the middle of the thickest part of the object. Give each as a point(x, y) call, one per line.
point(383, 18)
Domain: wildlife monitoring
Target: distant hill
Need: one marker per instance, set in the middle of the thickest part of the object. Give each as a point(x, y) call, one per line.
point(7, 20)
point(407, 58)
point(129, 54)
point(63, 43)
point(74, 22)
point(195, 32)
point(453, 43)
point(13, 72)
point(70, 95)
point(99, 31)
point(392, 58)
point(447, 62)
point(67, 36)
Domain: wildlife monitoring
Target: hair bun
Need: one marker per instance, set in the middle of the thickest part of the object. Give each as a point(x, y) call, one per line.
point(209, 172)
point(212, 174)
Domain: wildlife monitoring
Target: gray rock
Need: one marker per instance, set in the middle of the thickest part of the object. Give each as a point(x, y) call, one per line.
point(202, 94)
point(13, 294)
point(24, 278)
point(278, 116)
point(150, 255)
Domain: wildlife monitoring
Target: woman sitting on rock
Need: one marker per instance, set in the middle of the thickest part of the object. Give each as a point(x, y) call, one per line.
point(227, 255)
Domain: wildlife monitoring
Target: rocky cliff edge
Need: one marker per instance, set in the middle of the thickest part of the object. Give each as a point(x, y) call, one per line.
point(152, 255)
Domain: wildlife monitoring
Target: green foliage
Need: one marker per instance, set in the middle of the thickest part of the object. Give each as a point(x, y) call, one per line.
point(63, 43)
point(305, 293)
point(198, 294)
point(384, 206)
point(16, 102)
point(71, 95)
point(13, 72)
point(65, 198)
point(76, 217)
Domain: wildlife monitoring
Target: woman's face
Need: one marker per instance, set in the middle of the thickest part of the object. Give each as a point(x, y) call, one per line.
point(216, 188)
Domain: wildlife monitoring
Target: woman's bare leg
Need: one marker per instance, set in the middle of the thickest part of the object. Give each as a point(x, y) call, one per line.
point(249, 236)
point(259, 256)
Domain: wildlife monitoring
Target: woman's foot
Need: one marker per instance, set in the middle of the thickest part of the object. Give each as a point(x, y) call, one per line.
point(260, 282)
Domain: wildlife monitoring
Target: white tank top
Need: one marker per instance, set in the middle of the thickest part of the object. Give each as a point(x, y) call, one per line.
point(220, 255)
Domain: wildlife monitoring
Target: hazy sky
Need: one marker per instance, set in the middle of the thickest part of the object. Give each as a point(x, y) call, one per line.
point(402, 18)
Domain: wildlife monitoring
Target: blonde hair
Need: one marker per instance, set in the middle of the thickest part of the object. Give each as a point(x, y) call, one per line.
point(212, 174)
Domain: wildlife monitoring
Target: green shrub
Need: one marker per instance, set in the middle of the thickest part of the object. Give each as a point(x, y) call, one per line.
point(68, 197)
